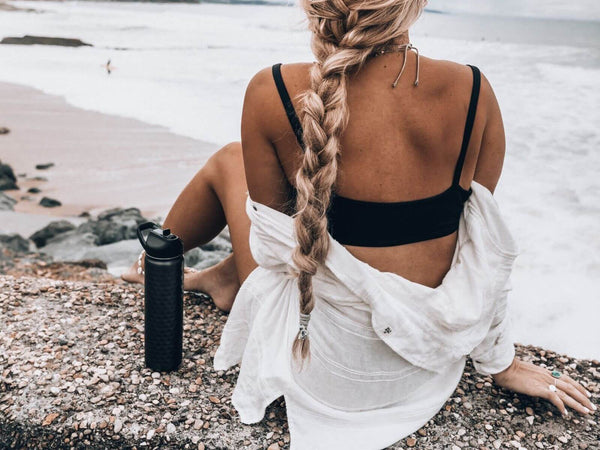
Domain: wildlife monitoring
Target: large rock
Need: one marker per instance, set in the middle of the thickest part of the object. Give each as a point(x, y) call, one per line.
point(7, 203)
point(8, 180)
point(114, 225)
point(51, 230)
point(44, 40)
point(14, 242)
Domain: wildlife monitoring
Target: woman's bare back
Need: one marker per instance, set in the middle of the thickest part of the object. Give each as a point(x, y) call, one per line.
point(400, 144)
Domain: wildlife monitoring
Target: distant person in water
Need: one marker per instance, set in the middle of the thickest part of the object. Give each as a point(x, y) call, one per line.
point(108, 67)
point(368, 248)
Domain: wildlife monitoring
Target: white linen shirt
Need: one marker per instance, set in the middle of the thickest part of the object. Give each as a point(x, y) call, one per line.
point(386, 352)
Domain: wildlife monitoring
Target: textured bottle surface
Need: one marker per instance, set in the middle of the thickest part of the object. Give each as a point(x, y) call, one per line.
point(163, 312)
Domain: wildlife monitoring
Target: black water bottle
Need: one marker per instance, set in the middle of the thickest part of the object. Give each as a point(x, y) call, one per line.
point(163, 306)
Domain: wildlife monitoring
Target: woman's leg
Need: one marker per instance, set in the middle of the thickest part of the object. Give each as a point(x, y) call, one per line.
point(213, 198)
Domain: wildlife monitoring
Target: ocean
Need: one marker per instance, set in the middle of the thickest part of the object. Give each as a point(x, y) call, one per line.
point(186, 66)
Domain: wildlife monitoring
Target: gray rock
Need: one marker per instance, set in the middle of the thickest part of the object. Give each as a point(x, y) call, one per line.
point(43, 40)
point(114, 225)
point(34, 190)
point(50, 202)
point(44, 166)
point(69, 246)
point(7, 203)
point(4, 130)
point(41, 237)
point(8, 181)
point(14, 242)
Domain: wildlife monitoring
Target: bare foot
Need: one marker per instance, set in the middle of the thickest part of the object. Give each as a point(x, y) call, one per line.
point(134, 274)
point(220, 281)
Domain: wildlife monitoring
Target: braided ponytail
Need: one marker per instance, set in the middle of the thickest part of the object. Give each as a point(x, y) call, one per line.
point(345, 34)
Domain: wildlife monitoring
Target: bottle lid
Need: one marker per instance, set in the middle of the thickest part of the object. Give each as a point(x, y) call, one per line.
point(159, 243)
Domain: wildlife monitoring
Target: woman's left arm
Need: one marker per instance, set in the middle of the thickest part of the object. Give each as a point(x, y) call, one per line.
point(529, 379)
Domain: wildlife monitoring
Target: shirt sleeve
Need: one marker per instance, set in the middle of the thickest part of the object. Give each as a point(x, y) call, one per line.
point(497, 351)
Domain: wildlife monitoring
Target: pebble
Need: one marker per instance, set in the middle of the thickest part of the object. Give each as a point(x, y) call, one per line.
point(411, 442)
point(529, 411)
point(170, 428)
point(118, 426)
point(150, 434)
point(530, 419)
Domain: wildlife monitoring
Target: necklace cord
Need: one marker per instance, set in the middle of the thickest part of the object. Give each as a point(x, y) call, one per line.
point(398, 48)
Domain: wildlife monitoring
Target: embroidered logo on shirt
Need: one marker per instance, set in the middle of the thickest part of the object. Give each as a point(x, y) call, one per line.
point(388, 330)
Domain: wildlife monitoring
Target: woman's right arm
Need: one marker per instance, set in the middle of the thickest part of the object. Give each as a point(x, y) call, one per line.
point(520, 376)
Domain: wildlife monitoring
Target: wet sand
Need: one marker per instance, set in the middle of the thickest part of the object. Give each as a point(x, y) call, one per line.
point(100, 161)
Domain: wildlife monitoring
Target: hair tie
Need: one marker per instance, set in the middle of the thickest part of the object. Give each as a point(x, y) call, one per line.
point(303, 331)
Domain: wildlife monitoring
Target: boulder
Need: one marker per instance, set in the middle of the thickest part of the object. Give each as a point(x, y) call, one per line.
point(8, 181)
point(50, 202)
point(44, 40)
point(14, 242)
point(114, 225)
point(105, 231)
point(7, 203)
point(44, 166)
point(53, 229)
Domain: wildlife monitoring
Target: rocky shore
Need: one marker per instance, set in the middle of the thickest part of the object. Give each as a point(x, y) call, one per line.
point(72, 376)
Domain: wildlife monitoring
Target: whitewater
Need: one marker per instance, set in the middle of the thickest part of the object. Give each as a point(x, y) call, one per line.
point(186, 67)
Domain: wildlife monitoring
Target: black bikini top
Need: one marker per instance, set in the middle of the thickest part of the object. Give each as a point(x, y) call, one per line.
point(385, 224)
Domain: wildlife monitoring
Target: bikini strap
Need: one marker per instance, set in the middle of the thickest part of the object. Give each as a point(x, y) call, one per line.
point(287, 103)
point(468, 125)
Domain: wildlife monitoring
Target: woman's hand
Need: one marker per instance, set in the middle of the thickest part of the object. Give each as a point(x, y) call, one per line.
point(529, 379)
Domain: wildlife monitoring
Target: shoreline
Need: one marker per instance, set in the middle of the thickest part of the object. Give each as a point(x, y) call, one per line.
point(100, 161)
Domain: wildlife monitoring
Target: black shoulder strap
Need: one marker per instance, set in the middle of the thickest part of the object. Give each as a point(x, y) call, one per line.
point(287, 104)
point(469, 123)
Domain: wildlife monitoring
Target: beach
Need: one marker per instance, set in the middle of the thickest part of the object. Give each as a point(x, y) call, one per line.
point(134, 137)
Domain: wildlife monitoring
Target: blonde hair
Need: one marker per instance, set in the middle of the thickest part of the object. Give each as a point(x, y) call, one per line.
point(344, 34)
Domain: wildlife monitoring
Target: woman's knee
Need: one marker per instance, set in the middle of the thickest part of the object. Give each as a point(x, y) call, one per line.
point(227, 163)
point(227, 158)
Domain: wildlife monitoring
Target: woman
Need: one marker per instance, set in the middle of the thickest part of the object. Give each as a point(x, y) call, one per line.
point(382, 257)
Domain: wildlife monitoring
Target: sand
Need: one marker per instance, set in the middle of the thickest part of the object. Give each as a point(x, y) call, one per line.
point(101, 161)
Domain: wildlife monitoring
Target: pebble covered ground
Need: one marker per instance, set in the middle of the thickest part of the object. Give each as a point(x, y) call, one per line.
point(72, 376)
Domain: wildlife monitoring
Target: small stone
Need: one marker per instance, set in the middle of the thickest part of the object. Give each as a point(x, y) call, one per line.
point(563, 439)
point(488, 427)
point(49, 419)
point(274, 446)
point(520, 434)
point(54, 390)
point(538, 444)
point(150, 434)
point(118, 426)
point(529, 411)
point(497, 443)
point(411, 442)
point(468, 405)
point(214, 399)
point(462, 431)
point(198, 424)
point(44, 166)
point(102, 425)
point(530, 419)
point(170, 428)
point(201, 446)
point(48, 202)
point(422, 432)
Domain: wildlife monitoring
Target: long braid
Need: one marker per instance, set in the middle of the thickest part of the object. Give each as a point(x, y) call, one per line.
point(345, 33)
